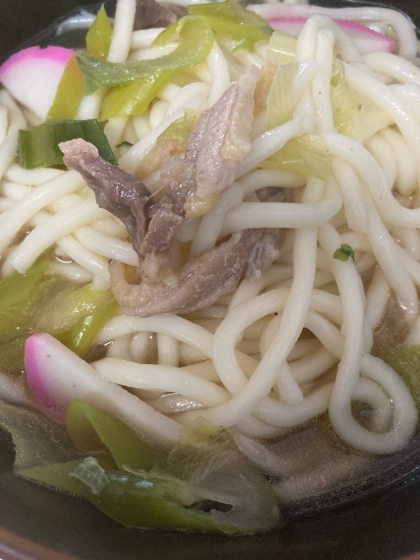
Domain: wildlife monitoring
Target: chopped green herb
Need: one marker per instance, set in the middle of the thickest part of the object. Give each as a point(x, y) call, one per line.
point(344, 253)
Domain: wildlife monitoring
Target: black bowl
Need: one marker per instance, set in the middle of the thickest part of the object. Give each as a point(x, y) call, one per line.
point(377, 521)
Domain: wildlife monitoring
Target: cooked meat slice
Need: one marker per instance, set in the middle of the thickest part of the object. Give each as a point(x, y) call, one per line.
point(264, 252)
point(152, 14)
point(115, 190)
point(221, 138)
point(201, 283)
point(166, 216)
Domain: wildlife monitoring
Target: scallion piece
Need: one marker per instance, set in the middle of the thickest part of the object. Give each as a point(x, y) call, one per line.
point(38, 147)
point(344, 253)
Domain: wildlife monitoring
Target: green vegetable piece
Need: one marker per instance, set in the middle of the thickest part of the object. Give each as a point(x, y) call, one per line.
point(65, 305)
point(280, 100)
point(344, 253)
point(69, 93)
point(137, 83)
point(230, 18)
point(204, 484)
point(250, 18)
point(58, 476)
point(282, 47)
point(181, 129)
point(12, 350)
point(93, 430)
point(80, 338)
point(99, 36)
point(135, 98)
point(38, 440)
point(38, 147)
point(208, 460)
point(136, 500)
point(18, 295)
point(345, 102)
point(405, 360)
point(305, 155)
point(90, 473)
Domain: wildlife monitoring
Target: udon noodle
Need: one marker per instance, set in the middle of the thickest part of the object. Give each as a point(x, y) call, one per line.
point(298, 341)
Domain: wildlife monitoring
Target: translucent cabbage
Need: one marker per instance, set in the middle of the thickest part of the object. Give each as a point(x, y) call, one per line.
point(345, 102)
point(282, 47)
point(367, 122)
point(230, 18)
point(65, 304)
point(181, 129)
point(305, 155)
point(90, 473)
point(280, 101)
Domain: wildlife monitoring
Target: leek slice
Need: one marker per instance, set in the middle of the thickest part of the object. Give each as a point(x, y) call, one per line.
point(230, 18)
point(280, 100)
point(305, 155)
point(181, 129)
point(18, 296)
point(137, 83)
point(345, 102)
point(82, 335)
point(38, 147)
point(282, 47)
point(65, 305)
point(249, 17)
point(99, 36)
point(92, 430)
point(204, 484)
point(69, 93)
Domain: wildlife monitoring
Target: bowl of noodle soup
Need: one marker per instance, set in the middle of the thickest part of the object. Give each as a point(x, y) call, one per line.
point(282, 306)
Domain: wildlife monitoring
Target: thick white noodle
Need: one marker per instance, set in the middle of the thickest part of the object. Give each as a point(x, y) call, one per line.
point(51, 231)
point(123, 28)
